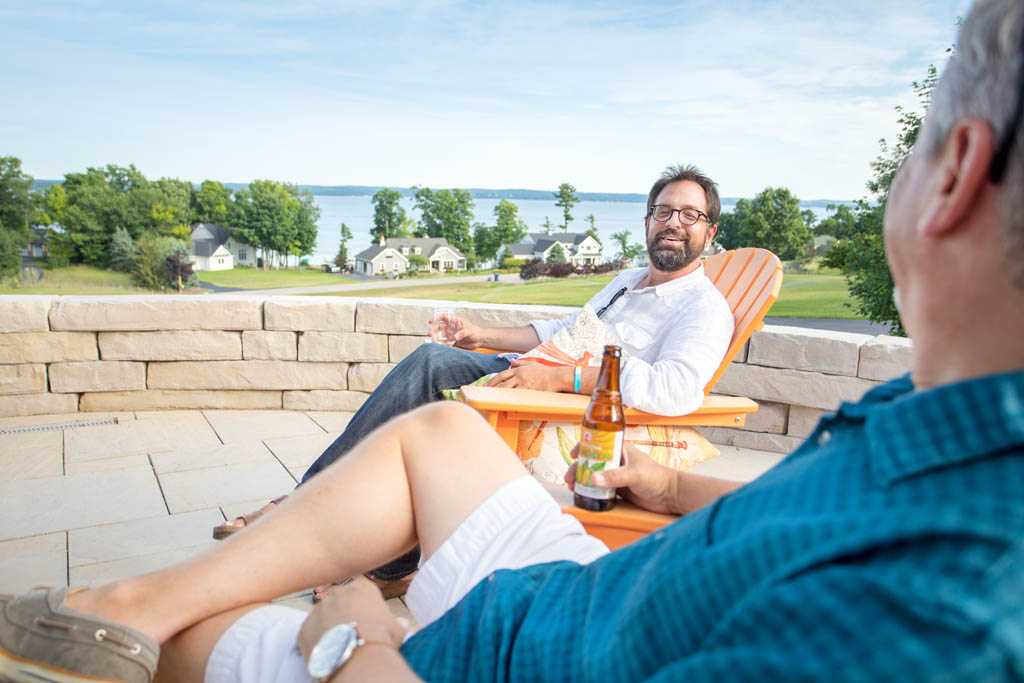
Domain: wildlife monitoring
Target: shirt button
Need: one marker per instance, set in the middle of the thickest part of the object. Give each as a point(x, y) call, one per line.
point(824, 437)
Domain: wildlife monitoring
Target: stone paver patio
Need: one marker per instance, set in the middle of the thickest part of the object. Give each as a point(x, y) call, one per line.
point(92, 504)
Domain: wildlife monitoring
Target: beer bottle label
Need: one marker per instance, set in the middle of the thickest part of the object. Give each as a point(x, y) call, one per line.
point(599, 450)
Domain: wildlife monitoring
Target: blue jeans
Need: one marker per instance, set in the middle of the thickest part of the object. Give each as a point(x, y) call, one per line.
point(416, 381)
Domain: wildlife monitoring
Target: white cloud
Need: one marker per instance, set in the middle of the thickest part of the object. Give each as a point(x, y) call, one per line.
point(471, 94)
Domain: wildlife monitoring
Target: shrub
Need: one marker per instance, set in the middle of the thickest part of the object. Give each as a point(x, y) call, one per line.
point(510, 262)
point(531, 269)
point(121, 249)
point(560, 269)
point(149, 259)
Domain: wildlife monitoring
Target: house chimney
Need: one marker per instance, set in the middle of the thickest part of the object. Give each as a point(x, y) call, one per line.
point(382, 240)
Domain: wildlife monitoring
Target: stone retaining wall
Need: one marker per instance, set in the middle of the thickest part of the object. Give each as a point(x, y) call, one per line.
point(69, 354)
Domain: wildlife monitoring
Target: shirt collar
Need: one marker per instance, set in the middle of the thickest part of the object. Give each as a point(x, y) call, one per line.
point(670, 287)
point(911, 432)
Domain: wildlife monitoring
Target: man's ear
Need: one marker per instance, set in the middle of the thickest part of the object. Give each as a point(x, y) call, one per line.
point(712, 231)
point(961, 175)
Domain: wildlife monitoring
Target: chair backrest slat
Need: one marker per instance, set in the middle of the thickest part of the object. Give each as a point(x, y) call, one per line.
point(750, 280)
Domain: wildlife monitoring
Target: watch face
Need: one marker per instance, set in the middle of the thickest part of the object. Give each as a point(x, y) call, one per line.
point(334, 648)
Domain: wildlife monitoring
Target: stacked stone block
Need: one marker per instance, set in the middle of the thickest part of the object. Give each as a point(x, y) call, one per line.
point(65, 354)
point(797, 375)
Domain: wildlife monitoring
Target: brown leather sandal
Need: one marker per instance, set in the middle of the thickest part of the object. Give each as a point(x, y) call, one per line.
point(222, 531)
point(389, 588)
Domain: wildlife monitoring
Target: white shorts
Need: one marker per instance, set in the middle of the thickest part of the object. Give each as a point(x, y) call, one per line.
point(520, 524)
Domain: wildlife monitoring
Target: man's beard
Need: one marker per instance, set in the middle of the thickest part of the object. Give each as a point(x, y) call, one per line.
point(667, 259)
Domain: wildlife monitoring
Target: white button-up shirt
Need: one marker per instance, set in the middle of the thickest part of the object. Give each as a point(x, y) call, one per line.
point(675, 335)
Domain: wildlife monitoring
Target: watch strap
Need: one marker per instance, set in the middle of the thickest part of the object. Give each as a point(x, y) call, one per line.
point(360, 642)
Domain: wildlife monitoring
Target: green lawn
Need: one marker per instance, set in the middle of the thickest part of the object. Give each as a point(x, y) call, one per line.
point(813, 295)
point(251, 278)
point(816, 295)
point(79, 280)
point(804, 295)
point(569, 292)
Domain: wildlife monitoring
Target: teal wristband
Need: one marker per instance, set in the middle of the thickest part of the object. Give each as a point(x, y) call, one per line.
point(577, 377)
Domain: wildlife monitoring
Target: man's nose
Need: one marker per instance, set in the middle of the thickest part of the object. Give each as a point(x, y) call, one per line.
point(675, 221)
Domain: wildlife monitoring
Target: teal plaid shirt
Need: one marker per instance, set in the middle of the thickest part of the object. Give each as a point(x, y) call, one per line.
point(890, 546)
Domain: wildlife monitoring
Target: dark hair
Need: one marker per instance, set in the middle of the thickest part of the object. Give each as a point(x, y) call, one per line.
point(674, 174)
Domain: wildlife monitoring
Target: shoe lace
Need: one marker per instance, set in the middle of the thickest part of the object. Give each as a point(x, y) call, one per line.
point(100, 635)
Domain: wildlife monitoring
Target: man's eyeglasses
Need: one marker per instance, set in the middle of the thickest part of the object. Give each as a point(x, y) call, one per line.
point(662, 213)
point(998, 168)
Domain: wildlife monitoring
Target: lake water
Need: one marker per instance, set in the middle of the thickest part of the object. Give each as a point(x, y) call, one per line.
point(357, 213)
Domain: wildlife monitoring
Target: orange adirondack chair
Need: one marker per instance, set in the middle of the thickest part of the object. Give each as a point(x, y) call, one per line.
point(750, 280)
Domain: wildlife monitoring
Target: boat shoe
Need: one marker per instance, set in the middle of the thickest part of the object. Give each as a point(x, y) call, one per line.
point(42, 639)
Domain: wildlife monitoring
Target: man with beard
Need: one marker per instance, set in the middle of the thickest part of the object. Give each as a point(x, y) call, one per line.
point(672, 323)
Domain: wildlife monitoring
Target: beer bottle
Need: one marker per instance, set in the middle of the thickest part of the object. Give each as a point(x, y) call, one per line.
point(600, 446)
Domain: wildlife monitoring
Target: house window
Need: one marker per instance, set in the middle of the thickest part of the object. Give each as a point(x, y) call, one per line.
point(418, 250)
point(241, 254)
point(382, 267)
point(448, 265)
point(396, 266)
point(220, 260)
point(405, 251)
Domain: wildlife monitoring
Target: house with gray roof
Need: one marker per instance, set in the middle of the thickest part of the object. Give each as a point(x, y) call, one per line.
point(212, 248)
point(579, 247)
point(392, 256)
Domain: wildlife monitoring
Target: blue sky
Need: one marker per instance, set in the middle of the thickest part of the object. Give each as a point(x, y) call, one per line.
point(467, 94)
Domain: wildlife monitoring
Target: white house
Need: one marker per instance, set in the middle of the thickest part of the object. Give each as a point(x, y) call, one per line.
point(579, 247)
point(212, 248)
point(380, 260)
point(392, 256)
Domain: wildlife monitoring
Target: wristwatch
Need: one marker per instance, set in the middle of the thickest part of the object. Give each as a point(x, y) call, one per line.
point(334, 649)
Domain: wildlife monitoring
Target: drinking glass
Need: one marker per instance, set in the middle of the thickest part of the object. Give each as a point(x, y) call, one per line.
point(442, 326)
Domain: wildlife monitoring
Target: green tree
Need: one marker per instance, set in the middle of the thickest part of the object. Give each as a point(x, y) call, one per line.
point(566, 196)
point(418, 261)
point(509, 228)
point(211, 203)
point(342, 258)
point(304, 216)
point(18, 206)
point(51, 206)
point(448, 214)
point(272, 223)
point(592, 230)
point(548, 226)
point(771, 220)
point(388, 215)
point(276, 218)
point(121, 251)
point(169, 202)
point(861, 253)
point(627, 252)
point(728, 230)
point(557, 254)
point(101, 200)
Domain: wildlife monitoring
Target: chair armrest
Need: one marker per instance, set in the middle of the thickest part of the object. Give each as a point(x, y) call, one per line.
point(529, 404)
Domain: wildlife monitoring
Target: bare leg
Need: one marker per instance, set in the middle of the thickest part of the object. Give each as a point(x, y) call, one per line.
point(414, 479)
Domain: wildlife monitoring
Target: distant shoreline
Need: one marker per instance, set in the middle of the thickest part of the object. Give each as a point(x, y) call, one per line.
point(482, 193)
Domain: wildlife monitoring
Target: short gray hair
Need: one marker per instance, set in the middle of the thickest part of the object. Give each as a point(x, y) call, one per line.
point(673, 174)
point(982, 80)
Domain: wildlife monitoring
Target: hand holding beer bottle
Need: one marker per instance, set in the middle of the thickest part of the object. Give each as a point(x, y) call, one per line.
point(600, 447)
